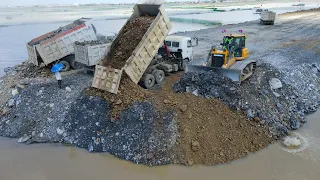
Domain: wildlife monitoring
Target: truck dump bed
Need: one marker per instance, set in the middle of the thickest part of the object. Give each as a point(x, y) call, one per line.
point(90, 53)
point(268, 16)
point(59, 43)
point(143, 54)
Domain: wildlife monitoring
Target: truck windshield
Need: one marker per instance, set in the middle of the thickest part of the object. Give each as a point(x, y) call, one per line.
point(175, 44)
point(168, 43)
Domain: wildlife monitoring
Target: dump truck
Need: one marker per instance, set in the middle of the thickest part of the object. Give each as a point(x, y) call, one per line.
point(267, 18)
point(174, 55)
point(58, 45)
point(89, 53)
point(108, 78)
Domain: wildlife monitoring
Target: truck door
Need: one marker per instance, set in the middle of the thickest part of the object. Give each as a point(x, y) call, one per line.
point(188, 53)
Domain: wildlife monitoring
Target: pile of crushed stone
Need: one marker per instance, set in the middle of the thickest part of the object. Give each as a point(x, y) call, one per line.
point(281, 109)
point(127, 41)
point(208, 123)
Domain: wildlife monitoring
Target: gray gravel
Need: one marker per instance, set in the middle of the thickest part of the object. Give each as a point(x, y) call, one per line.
point(44, 113)
point(141, 135)
point(282, 109)
point(41, 109)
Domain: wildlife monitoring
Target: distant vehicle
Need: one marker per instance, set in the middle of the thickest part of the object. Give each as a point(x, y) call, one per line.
point(58, 45)
point(267, 18)
point(259, 11)
point(298, 4)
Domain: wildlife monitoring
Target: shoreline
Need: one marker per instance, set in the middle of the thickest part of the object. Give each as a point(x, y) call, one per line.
point(81, 140)
point(171, 14)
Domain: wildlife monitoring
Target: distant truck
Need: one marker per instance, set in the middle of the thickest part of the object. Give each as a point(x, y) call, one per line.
point(267, 18)
point(58, 45)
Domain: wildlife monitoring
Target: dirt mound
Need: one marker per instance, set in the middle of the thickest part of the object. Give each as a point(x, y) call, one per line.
point(128, 93)
point(210, 133)
point(127, 41)
point(300, 12)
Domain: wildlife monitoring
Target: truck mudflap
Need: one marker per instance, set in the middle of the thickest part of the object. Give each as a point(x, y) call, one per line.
point(107, 78)
point(32, 54)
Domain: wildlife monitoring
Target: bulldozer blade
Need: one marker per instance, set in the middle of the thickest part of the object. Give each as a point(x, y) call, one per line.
point(232, 74)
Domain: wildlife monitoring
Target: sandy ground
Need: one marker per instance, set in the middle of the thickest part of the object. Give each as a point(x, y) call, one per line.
point(164, 127)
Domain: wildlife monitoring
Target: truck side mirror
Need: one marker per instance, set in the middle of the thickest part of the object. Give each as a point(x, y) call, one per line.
point(194, 42)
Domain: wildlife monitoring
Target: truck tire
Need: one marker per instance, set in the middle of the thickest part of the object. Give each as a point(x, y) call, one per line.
point(159, 76)
point(183, 66)
point(66, 66)
point(148, 81)
point(75, 65)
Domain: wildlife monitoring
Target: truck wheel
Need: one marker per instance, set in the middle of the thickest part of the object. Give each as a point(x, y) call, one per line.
point(66, 66)
point(75, 65)
point(184, 65)
point(148, 81)
point(159, 76)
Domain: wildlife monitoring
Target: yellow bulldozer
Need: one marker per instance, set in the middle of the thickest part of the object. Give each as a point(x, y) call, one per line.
point(231, 61)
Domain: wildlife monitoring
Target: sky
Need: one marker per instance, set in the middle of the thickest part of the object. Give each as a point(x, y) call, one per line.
point(31, 2)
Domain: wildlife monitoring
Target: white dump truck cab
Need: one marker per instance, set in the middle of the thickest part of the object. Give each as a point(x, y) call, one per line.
point(181, 46)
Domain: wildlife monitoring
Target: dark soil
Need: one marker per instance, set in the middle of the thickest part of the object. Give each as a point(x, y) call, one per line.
point(127, 94)
point(127, 41)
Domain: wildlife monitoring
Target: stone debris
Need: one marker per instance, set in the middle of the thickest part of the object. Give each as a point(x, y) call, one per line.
point(11, 102)
point(275, 83)
point(184, 108)
point(195, 145)
point(14, 92)
point(24, 138)
point(68, 89)
point(60, 131)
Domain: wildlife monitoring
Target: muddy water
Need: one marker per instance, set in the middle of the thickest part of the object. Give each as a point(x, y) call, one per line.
point(51, 162)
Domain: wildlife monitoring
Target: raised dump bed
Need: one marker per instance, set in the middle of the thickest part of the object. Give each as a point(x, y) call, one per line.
point(89, 53)
point(143, 53)
point(59, 44)
point(267, 17)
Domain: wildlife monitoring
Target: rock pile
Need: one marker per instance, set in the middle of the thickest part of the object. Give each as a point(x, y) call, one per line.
point(266, 97)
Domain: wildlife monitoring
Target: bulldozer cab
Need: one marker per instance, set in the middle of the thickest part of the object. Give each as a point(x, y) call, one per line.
point(234, 44)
